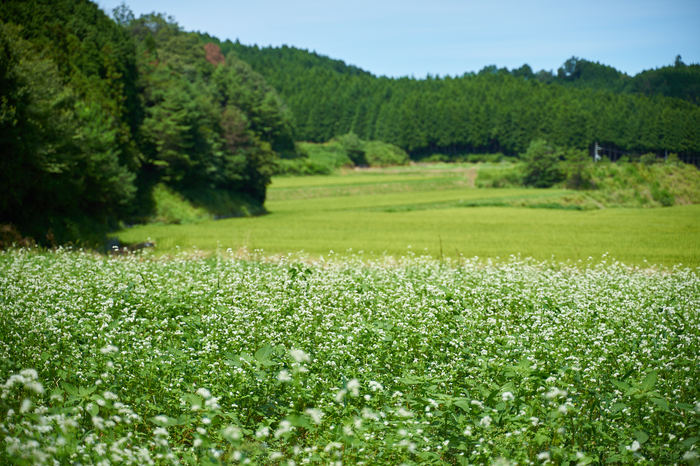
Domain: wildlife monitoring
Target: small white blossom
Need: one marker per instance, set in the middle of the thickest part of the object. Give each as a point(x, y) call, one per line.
point(109, 349)
point(354, 387)
point(634, 447)
point(204, 393)
point(299, 356)
point(232, 433)
point(314, 414)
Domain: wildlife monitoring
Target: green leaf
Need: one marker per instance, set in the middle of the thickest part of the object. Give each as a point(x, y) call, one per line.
point(464, 404)
point(649, 381)
point(661, 403)
point(641, 436)
point(617, 407)
point(85, 392)
point(299, 421)
point(263, 354)
point(621, 385)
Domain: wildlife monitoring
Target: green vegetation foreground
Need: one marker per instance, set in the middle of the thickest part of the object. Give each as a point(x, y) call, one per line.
point(436, 210)
point(136, 360)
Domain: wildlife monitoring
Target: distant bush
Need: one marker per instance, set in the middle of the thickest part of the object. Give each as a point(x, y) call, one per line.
point(578, 169)
point(542, 165)
point(354, 147)
point(382, 154)
point(648, 159)
point(302, 166)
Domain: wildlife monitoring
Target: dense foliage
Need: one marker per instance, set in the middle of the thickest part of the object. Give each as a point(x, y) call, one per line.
point(494, 110)
point(347, 150)
point(136, 360)
point(69, 110)
point(95, 112)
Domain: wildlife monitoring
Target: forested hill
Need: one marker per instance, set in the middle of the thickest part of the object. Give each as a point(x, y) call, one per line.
point(95, 112)
point(492, 110)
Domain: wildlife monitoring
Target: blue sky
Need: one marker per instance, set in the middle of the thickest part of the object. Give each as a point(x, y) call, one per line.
point(450, 37)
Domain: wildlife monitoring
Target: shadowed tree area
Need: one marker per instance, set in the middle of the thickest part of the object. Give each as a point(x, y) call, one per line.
point(95, 112)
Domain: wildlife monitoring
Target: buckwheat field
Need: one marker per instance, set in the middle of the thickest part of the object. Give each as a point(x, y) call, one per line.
point(145, 360)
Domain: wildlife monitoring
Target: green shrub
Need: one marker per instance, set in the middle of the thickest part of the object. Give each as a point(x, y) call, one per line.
point(354, 148)
point(382, 154)
point(648, 159)
point(579, 170)
point(542, 165)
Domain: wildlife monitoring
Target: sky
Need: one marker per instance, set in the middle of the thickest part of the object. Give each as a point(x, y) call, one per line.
point(450, 37)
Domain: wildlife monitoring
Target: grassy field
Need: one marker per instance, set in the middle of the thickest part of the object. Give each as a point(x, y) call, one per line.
point(436, 210)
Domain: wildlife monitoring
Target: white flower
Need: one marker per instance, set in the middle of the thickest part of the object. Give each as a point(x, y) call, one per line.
point(485, 421)
point(109, 395)
point(299, 356)
point(284, 376)
point(204, 393)
point(109, 349)
point(543, 456)
point(197, 442)
point(634, 447)
point(507, 396)
point(161, 419)
point(332, 445)
point(477, 403)
point(374, 386)
point(369, 414)
point(262, 432)
point(26, 404)
point(284, 427)
point(98, 422)
point(555, 392)
point(232, 433)
point(401, 412)
point(31, 374)
point(314, 414)
point(354, 387)
point(467, 431)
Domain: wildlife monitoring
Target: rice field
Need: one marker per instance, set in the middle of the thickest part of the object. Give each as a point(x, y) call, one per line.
point(436, 210)
point(141, 359)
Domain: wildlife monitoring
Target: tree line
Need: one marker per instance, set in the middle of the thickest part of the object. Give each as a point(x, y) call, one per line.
point(492, 110)
point(96, 111)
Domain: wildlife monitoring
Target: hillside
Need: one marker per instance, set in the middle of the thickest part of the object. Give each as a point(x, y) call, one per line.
point(493, 110)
